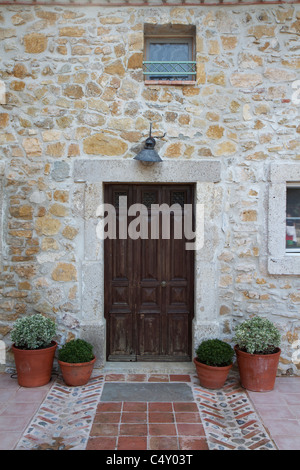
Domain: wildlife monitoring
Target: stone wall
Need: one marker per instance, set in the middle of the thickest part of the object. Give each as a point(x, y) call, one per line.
point(75, 90)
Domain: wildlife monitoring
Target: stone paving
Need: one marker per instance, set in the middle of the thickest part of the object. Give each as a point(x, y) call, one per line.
point(79, 418)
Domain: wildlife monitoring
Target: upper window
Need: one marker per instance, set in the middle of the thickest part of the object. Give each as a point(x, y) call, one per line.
point(169, 54)
point(284, 219)
point(293, 219)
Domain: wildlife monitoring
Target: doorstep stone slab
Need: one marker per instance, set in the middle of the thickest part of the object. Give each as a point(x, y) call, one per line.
point(147, 392)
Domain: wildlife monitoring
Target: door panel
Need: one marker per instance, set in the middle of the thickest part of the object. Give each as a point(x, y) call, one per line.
point(149, 282)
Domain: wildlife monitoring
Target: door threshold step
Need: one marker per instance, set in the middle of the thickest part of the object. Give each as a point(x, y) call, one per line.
point(148, 368)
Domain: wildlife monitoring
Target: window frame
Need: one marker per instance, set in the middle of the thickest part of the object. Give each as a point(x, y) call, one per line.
point(171, 37)
point(280, 259)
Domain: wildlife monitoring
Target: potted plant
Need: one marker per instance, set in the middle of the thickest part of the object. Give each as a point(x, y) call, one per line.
point(33, 349)
point(257, 351)
point(76, 361)
point(213, 362)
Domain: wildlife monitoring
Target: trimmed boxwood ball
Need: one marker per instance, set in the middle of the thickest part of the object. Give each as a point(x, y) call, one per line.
point(214, 352)
point(76, 351)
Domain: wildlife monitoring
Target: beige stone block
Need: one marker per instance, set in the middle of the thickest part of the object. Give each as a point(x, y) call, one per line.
point(229, 42)
point(111, 20)
point(225, 148)
point(262, 30)
point(4, 120)
point(217, 78)
point(73, 91)
point(21, 212)
point(280, 75)
point(72, 31)
point(58, 210)
point(64, 272)
point(104, 144)
point(249, 216)
point(56, 150)
point(47, 225)
point(174, 150)
point(246, 80)
point(51, 135)
point(35, 43)
point(213, 47)
point(116, 68)
point(135, 61)
point(20, 71)
point(69, 232)
point(49, 244)
point(215, 132)
point(32, 147)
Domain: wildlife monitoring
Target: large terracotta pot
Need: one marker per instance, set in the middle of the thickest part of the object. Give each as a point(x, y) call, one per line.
point(257, 371)
point(34, 366)
point(77, 373)
point(211, 377)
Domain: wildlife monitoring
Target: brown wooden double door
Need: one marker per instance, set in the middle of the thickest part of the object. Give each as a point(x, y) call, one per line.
point(149, 282)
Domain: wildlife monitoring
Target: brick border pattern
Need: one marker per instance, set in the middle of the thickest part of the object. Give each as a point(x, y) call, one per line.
point(229, 419)
point(64, 419)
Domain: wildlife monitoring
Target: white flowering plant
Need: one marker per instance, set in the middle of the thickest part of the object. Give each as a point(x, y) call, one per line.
point(33, 332)
point(257, 336)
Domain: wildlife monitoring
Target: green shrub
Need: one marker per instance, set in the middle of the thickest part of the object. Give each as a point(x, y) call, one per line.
point(76, 351)
point(257, 336)
point(214, 352)
point(33, 332)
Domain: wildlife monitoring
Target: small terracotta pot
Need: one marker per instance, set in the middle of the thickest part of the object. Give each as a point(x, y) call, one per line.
point(78, 373)
point(257, 371)
point(34, 366)
point(210, 376)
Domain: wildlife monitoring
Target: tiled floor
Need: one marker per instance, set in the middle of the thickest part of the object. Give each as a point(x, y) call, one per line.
point(280, 412)
point(60, 417)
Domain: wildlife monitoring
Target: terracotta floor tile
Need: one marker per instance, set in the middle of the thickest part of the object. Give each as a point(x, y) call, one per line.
point(274, 411)
point(136, 378)
point(158, 378)
point(187, 417)
point(101, 443)
point(160, 406)
point(134, 417)
point(179, 378)
point(128, 429)
point(286, 427)
point(185, 406)
point(161, 417)
point(107, 417)
point(287, 442)
point(104, 429)
point(193, 443)
point(163, 443)
point(127, 443)
point(162, 429)
point(134, 406)
point(111, 406)
point(187, 429)
point(115, 378)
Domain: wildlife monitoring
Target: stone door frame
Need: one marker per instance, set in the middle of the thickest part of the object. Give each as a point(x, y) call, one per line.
point(89, 178)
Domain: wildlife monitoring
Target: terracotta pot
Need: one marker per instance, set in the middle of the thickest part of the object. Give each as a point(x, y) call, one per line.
point(211, 377)
point(78, 373)
point(34, 366)
point(257, 371)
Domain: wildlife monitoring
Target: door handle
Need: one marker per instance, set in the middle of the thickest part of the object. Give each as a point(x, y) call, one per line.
point(163, 284)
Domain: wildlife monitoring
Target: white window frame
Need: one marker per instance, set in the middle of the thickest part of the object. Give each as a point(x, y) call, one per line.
point(281, 260)
point(295, 186)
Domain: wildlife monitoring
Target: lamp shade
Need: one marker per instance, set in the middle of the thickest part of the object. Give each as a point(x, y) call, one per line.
point(148, 154)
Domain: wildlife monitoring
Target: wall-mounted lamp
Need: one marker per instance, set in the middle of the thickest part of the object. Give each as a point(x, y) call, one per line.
point(148, 154)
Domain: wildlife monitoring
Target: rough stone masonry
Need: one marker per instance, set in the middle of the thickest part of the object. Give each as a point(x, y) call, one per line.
point(75, 89)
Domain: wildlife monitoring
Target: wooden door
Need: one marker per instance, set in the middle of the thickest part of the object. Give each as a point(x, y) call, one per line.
point(149, 282)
